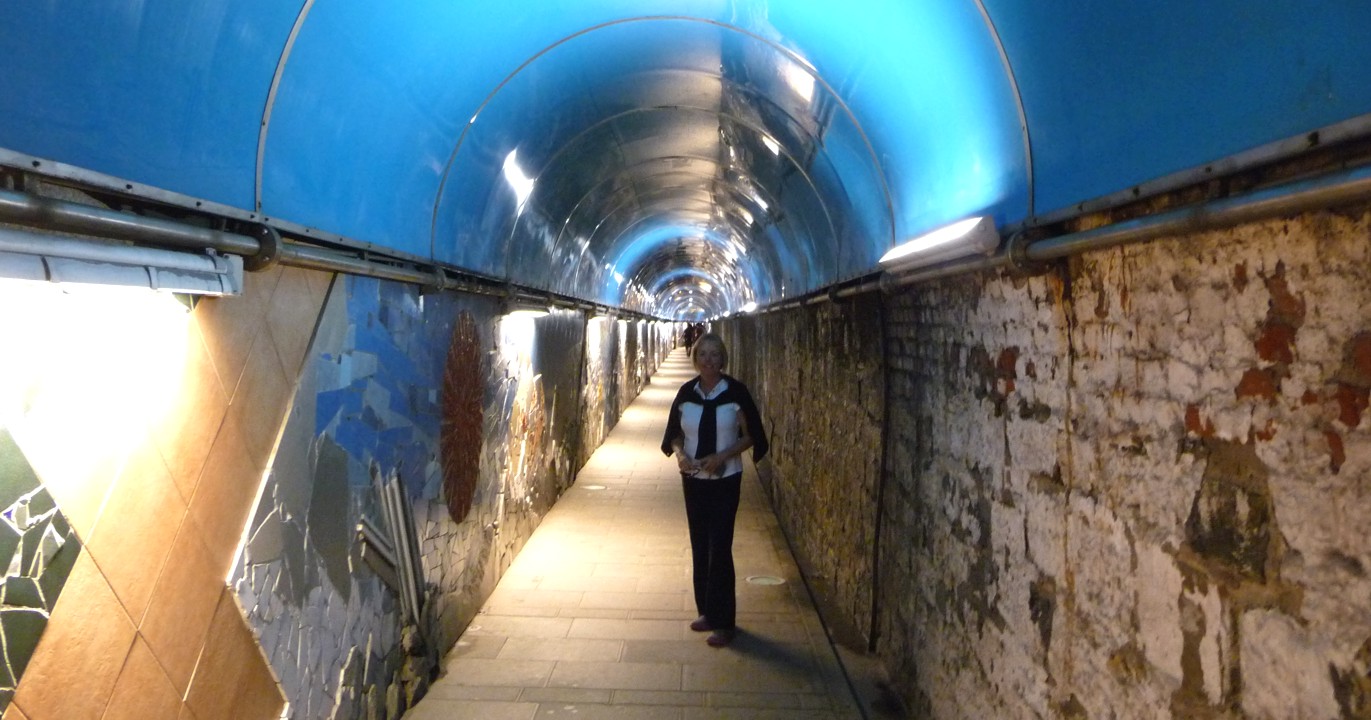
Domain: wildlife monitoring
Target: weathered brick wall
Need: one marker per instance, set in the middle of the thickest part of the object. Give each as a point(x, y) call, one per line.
point(817, 377)
point(975, 489)
point(1136, 487)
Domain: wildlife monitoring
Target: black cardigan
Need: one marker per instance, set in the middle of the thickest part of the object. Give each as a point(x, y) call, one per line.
point(736, 392)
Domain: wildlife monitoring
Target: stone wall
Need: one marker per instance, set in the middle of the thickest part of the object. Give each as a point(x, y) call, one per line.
point(600, 387)
point(817, 377)
point(1137, 486)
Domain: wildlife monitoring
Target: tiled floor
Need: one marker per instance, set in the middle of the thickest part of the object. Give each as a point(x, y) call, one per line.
point(591, 619)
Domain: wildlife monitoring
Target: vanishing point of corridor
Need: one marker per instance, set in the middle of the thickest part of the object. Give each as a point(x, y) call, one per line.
point(591, 619)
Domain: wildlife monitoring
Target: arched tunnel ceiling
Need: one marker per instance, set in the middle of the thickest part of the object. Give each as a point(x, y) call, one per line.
point(680, 158)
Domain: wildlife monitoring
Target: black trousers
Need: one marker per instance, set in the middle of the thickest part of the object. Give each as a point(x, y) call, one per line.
point(711, 507)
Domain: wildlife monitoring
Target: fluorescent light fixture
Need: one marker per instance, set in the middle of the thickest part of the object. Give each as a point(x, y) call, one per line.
point(72, 261)
point(748, 307)
point(520, 307)
point(771, 144)
point(966, 237)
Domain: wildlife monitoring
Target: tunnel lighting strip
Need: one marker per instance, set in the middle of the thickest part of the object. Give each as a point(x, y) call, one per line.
point(962, 238)
point(33, 256)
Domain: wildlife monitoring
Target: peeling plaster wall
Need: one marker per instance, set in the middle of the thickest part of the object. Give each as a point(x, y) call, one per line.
point(1138, 485)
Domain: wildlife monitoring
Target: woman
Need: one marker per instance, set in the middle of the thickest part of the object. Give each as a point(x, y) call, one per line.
point(713, 420)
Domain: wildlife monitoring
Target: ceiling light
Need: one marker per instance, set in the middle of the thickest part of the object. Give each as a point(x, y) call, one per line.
point(523, 307)
point(521, 183)
point(967, 237)
point(801, 80)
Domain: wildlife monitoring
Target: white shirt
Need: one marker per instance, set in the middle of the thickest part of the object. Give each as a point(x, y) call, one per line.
point(729, 419)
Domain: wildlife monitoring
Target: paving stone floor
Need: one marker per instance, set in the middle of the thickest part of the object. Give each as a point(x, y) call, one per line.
point(590, 621)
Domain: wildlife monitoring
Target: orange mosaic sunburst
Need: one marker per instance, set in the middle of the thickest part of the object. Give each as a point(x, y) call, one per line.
point(463, 417)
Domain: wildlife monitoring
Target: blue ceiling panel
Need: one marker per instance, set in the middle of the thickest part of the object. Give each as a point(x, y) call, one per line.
point(161, 92)
point(658, 154)
point(364, 121)
point(1120, 93)
point(928, 85)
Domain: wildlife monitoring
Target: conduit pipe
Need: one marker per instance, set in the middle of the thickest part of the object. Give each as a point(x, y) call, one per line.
point(258, 251)
point(1333, 190)
point(66, 216)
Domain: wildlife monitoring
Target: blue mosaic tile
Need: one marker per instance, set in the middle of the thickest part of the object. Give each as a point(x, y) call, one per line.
point(334, 404)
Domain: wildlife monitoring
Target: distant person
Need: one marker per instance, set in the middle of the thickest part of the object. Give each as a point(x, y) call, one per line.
point(712, 421)
point(692, 333)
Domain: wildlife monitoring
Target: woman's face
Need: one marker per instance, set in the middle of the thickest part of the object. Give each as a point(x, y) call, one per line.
point(709, 358)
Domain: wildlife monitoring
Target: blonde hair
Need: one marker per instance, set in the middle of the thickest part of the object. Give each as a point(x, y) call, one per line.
point(709, 337)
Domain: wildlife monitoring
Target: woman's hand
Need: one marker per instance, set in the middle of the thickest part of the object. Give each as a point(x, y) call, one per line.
point(712, 464)
point(686, 465)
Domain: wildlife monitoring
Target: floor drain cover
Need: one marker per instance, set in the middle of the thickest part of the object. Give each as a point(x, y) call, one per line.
point(593, 487)
point(765, 580)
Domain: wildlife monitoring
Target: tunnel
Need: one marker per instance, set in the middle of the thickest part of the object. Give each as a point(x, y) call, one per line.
point(1056, 315)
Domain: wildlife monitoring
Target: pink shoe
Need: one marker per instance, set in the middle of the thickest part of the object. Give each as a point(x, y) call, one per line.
point(701, 624)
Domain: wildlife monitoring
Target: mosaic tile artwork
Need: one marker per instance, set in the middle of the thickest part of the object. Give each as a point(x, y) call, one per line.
point(38, 548)
point(425, 426)
point(329, 625)
point(426, 393)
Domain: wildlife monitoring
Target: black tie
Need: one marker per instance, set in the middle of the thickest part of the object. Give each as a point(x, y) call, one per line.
point(709, 429)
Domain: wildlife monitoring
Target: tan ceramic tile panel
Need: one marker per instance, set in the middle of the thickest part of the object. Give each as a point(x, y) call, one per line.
point(143, 691)
point(319, 283)
point(233, 681)
point(185, 436)
point(231, 324)
point(136, 528)
point(182, 605)
point(224, 497)
point(262, 399)
point(74, 669)
point(292, 316)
